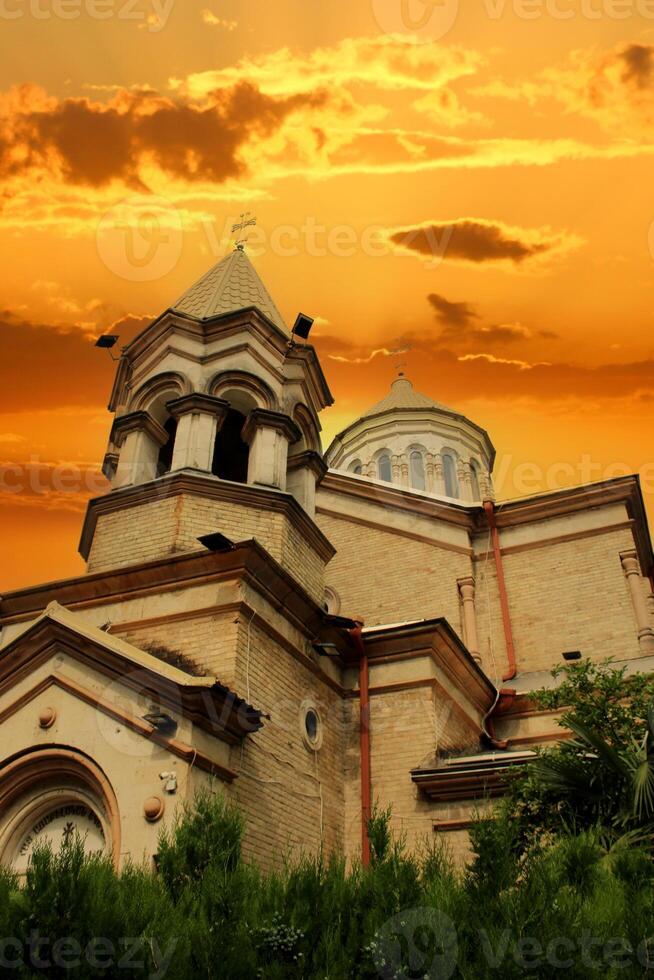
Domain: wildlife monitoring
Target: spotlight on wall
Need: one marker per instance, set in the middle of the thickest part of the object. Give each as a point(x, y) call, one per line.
point(571, 655)
point(326, 649)
point(216, 542)
point(302, 326)
point(162, 722)
point(107, 342)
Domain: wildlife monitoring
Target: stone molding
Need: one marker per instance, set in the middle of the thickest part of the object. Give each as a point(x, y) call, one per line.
point(198, 402)
point(139, 421)
point(263, 418)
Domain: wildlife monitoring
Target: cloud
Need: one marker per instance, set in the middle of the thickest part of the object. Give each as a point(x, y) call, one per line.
point(212, 20)
point(60, 360)
point(81, 141)
point(11, 439)
point(478, 241)
point(384, 62)
point(486, 375)
point(615, 88)
point(452, 314)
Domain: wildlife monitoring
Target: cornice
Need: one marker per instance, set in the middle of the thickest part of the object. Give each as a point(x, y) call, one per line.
point(216, 709)
point(434, 637)
point(212, 488)
point(309, 459)
point(197, 402)
point(469, 778)
point(263, 418)
point(400, 498)
point(137, 422)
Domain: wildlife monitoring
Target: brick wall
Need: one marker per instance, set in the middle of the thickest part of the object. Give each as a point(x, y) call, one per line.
point(164, 527)
point(570, 595)
point(386, 577)
point(286, 791)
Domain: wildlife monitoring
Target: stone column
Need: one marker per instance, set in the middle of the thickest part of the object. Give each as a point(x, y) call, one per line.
point(199, 418)
point(139, 437)
point(429, 473)
point(439, 476)
point(464, 479)
point(268, 435)
point(631, 568)
point(404, 470)
point(305, 471)
point(467, 594)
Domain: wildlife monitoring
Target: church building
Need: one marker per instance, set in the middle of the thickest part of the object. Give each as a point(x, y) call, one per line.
point(307, 632)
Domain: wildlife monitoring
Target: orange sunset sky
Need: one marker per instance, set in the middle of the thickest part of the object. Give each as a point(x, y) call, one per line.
point(470, 183)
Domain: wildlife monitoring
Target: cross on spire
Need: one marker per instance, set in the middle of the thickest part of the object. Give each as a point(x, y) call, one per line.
point(246, 222)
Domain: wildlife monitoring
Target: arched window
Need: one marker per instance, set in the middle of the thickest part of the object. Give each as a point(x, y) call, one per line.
point(165, 460)
point(449, 474)
point(231, 452)
point(384, 468)
point(417, 470)
point(475, 484)
point(356, 467)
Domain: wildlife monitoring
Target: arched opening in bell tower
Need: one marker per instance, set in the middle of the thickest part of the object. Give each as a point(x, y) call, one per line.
point(231, 452)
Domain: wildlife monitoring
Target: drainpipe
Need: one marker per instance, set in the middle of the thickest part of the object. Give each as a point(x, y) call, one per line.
point(489, 508)
point(364, 739)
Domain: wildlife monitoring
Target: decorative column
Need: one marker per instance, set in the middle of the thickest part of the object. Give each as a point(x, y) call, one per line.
point(429, 473)
point(139, 437)
point(631, 568)
point(467, 594)
point(269, 434)
point(305, 471)
point(199, 418)
point(464, 479)
point(439, 476)
point(404, 470)
point(396, 469)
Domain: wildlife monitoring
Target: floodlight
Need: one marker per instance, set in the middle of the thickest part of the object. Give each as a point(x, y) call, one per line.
point(572, 655)
point(107, 341)
point(216, 542)
point(302, 327)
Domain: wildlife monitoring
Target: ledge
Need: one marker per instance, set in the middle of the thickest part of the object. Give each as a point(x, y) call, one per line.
point(212, 488)
point(469, 777)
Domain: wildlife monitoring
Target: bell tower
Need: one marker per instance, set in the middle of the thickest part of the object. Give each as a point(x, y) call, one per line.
point(215, 430)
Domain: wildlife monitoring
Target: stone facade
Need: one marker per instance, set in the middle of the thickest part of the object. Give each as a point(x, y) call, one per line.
point(271, 622)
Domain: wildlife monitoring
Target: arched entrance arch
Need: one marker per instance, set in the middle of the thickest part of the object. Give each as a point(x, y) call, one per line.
point(47, 793)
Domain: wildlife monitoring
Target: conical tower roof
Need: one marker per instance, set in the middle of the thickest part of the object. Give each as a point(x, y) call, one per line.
point(403, 395)
point(231, 285)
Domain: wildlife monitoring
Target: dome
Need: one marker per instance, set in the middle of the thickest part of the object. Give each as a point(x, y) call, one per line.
point(416, 443)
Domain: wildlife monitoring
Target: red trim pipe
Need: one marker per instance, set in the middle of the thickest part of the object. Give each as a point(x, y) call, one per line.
point(364, 740)
point(489, 509)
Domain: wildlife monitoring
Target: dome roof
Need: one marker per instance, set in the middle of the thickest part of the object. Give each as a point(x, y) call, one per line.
point(401, 396)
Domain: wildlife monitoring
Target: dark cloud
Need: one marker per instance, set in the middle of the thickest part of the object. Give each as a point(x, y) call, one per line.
point(460, 323)
point(473, 240)
point(452, 314)
point(93, 143)
point(638, 61)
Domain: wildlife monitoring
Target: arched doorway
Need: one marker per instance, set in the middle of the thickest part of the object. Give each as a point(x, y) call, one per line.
point(50, 795)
